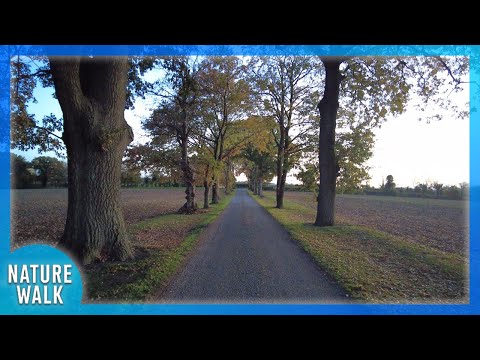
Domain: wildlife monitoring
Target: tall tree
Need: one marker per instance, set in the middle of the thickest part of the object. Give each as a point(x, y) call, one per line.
point(92, 95)
point(204, 164)
point(287, 87)
point(328, 107)
point(365, 90)
point(176, 117)
point(225, 100)
point(259, 153)
point(204, 158)
point(243, 133)
point(92, 92)
point(240, 134)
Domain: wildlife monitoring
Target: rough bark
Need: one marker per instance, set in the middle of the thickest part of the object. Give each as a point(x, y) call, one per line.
point(255, 182)
point(283, 180)
point(206, 187)
point(92, 95)
point(280, 159)
point(206, 192)
point(328, 107)
point(227, 177)
point(227, 184)
point(215, 196)
point(189, 179)
point(260, 186)
point(190, 205)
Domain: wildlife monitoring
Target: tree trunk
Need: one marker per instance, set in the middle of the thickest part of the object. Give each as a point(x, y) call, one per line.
point(227, 185)
point(281, 189)
point(189, 178)
point(283, 180)
point(206, 191)
point(215, 196)
point(206, 188)
point(44, 181)
point(190, 206)
point(328, 107)
point(260, 186)
point(92, 95)
point(280, 160)
point(227, 178)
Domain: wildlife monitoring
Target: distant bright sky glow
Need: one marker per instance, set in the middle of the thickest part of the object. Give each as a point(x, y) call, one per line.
point(414, 151)
point(410, 150)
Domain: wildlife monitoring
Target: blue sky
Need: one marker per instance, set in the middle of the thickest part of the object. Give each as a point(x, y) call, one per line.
point(410, 150)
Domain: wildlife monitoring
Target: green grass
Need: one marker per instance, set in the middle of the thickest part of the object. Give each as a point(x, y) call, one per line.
point(142, 278)
point(372, 265)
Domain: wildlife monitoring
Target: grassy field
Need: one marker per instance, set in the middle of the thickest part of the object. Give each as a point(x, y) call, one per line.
point(162, 239)
point(385, 250)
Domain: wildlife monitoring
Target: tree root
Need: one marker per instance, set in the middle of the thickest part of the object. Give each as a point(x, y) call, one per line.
point(187, 210)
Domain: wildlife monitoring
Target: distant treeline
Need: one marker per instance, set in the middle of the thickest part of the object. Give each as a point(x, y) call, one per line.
point(41, 172)
point(132, 179)
point(45, 171)
point(424, 190)
point(427, 189)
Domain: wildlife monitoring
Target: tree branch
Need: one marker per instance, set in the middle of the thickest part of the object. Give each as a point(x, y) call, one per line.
point(48, 131)
point(445, 65)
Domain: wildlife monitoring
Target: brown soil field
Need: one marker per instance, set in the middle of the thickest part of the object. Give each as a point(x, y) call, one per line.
point(442, 224)
point(38, 215)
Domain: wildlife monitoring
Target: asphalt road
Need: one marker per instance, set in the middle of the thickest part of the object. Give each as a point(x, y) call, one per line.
point(245, 256)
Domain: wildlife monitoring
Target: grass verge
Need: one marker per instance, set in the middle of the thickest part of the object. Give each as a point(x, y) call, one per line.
point(161, 245)
point(372, 265)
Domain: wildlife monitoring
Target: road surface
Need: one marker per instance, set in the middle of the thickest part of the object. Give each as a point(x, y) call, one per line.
point(246, 256)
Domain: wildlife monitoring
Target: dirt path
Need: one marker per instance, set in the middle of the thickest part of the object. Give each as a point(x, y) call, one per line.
point(245, 256)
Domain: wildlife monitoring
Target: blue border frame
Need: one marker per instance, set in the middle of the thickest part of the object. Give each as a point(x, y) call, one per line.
point(335, 50)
